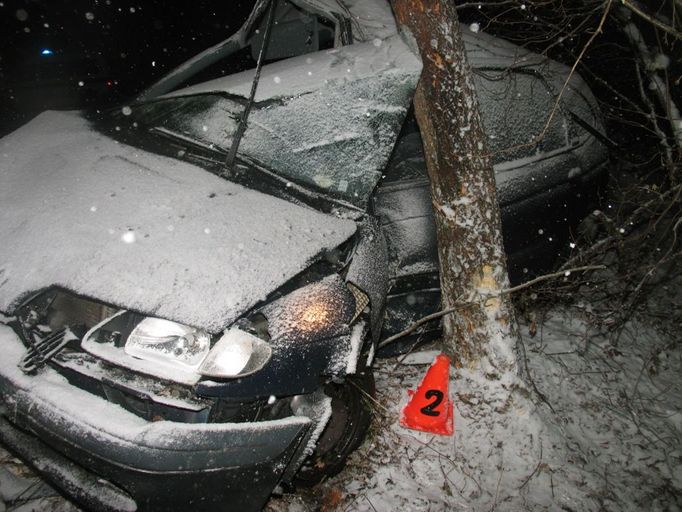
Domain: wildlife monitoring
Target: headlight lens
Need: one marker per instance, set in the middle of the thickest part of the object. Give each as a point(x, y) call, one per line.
point(237, 353)
point(174, 351)
point(155, 339)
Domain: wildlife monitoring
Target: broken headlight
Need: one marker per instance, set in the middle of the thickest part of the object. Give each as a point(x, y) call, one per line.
point(149, 345)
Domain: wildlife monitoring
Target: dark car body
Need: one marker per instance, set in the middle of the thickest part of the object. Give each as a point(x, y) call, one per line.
point(178, 334)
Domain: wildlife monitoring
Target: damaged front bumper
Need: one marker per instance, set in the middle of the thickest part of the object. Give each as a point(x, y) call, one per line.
point(110, 459)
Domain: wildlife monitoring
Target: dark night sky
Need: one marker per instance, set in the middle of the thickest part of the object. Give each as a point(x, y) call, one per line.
point(122, 43)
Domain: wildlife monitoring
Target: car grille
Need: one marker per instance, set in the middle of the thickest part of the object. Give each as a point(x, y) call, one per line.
point(51, 326)
point(42, 350)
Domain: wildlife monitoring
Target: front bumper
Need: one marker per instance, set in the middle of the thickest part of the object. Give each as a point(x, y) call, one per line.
point(135, 464)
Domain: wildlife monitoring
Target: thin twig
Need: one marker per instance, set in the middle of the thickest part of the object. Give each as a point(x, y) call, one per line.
point(370, 503)
point(651, 19)
point(464, 304)
point(546, 277)
point(536, 140)
point(525, 482)
point(370, 397)
point(530, 377)
point(497, 490)
point(414, 345)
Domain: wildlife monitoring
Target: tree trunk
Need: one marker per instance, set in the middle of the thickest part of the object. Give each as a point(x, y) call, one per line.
point(472, 260)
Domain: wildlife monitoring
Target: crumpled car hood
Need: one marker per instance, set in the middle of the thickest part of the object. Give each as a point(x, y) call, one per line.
point(141, 231)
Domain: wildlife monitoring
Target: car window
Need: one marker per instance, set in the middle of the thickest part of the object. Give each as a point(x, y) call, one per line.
point(514, 108)
point(188, 116)
point(325, 119)
point(294, 33)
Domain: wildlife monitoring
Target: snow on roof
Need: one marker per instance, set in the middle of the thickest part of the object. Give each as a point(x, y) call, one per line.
point(313, 71)
point(142, 231)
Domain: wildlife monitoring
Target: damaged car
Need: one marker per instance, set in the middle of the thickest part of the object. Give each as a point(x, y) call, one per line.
point(193, 285)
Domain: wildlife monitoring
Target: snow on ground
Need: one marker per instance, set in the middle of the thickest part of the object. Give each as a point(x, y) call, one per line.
point(597, 427)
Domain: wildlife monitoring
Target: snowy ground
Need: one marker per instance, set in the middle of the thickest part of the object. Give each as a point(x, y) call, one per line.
point(600, 429)
point(597, 427)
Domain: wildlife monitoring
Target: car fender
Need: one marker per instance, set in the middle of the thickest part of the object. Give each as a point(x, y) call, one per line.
point(369, 270)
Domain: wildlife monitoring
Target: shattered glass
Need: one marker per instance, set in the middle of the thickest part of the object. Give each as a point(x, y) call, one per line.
point(294, 137)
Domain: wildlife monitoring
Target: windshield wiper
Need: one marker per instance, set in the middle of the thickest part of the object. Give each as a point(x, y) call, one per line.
point(170, 134)
point(254, 85)
point(267, 182)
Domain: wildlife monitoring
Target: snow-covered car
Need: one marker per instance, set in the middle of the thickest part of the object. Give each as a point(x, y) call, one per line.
point(179, 333)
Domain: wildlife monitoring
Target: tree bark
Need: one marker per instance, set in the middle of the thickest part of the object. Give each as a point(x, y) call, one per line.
point(467, 215)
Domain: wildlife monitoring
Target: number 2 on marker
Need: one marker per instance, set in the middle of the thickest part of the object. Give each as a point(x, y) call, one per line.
point(430, 409)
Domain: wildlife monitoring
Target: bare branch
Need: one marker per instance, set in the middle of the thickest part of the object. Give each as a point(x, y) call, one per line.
point(652, 19)
point(421, 322)
point(463, 304)
point(552, 113)
point(546, 277)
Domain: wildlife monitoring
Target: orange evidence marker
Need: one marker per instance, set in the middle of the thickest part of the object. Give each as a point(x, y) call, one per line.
point(430, 408)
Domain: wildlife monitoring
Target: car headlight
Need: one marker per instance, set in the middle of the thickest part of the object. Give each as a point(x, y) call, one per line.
point(155, 339)
point(177, 352)
point(237, 353)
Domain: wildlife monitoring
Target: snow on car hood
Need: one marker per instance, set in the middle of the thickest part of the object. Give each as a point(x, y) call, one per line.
point(141, 231)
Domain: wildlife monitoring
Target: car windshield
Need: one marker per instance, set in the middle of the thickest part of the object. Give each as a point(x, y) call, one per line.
point(331, 134)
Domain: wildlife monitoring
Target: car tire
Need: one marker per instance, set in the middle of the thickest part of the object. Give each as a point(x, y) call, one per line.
point(350, 419)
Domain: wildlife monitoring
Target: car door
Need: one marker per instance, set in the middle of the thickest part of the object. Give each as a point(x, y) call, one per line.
point(403, 204)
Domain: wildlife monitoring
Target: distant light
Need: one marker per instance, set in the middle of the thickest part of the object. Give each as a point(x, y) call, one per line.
point(46, 51)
